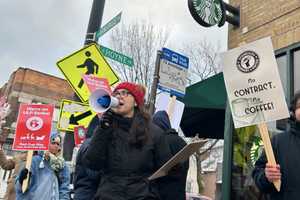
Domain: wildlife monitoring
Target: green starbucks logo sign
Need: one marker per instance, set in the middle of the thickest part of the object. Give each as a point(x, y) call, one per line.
point(256, 149)
point(207, 12)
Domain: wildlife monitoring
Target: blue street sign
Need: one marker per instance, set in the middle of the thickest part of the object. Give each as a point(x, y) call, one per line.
point(175, 58)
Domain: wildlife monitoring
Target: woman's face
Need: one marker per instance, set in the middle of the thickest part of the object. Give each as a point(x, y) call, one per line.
point(54, 146)
point(126, 103)
point(297, 111)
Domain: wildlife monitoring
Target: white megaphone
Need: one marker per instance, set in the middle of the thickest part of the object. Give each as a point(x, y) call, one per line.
point(100, 101)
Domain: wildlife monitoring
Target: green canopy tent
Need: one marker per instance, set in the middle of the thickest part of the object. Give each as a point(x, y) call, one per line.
point(204, 111)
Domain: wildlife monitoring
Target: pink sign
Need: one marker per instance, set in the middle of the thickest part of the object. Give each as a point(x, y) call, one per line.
point(79, 134)
point(93, 83)
point(33, 127)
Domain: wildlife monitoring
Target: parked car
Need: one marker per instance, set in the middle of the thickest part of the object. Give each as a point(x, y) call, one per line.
point(191, 196)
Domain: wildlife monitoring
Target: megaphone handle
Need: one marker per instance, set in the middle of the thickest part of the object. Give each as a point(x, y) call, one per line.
point(106, 119)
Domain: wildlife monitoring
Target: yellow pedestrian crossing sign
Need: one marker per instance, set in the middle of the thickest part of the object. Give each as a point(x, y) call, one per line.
point(74, 114)
point(87, 60)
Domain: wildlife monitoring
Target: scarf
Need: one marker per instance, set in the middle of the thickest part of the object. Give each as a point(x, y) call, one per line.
point(56, 163)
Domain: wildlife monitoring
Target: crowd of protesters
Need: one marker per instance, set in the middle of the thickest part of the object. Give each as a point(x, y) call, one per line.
point(124, 146)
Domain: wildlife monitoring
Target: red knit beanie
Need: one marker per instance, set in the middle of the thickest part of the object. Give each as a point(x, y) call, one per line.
point(137, 91)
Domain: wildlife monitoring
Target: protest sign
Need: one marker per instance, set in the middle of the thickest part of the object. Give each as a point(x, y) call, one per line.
point(93, 83)
point(253, 84)
point(33, 127)
point(173, 107)
point(79, 135)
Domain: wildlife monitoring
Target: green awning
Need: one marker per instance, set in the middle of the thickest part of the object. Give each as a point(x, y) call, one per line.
point(209, 93)
point(204, 111)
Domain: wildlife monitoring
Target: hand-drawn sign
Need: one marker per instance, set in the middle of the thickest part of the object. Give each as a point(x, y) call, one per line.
point(74, 114)
point(89, 61)
point(253, 84)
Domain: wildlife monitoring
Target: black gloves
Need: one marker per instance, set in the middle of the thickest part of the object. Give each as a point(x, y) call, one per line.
point(23, 175)
point(106, 119)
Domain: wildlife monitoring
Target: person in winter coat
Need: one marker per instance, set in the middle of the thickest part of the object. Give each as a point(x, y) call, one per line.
point(86, 180)
point(17, 162)
point(173, 185)
point(286, 148)
point(128, 148)
point(49, 177)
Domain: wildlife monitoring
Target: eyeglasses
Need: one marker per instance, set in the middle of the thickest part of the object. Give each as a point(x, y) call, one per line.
point(57, 143)
point(121, 93)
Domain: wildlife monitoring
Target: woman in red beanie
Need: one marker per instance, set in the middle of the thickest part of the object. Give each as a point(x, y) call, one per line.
point(127, 148)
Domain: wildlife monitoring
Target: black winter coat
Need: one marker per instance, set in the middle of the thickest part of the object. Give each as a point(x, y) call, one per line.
point(286, 148)
point(126, 167)
point(173, 185)
point(86, 181)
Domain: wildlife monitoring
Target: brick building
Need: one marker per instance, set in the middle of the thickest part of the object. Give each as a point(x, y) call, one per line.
point(30, 86)
point(279, 19)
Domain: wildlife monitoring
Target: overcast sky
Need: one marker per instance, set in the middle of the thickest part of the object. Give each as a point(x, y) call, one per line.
point(37, 33)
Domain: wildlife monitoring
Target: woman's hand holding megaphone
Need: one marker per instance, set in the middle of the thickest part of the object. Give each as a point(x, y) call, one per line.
point(106, 119)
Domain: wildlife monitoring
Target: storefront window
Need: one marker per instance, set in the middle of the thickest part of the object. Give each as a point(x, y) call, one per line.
point(296, 70)
point(283, 73)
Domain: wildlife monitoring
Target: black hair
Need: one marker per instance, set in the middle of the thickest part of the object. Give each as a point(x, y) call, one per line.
point(139, 131)
point(294, 101)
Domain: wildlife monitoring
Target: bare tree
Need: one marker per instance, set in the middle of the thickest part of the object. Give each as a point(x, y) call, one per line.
point(204, 60)
point(139, 40)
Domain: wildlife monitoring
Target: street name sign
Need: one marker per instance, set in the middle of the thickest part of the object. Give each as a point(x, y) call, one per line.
point(107, 52)
point(114, 21)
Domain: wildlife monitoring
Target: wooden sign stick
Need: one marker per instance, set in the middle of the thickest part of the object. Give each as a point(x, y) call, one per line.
point(171, 106)
point(28, 166)
point(264, 133)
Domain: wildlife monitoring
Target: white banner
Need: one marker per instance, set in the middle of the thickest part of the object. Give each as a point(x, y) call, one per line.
point(162, 103)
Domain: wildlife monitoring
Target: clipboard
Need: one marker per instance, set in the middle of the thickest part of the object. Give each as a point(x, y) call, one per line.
point(180, 156)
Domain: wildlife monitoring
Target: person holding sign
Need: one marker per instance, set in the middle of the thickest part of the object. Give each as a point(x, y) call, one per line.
point(287, 150)
point(128, 148)
point(49, 177)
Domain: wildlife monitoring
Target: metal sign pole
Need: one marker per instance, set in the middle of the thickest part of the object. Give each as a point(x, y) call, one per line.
point(94, 25)
point(154, 83)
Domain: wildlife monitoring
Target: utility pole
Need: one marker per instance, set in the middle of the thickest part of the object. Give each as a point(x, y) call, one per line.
point(95, 21)
point(93, 26)
point(155, 82)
